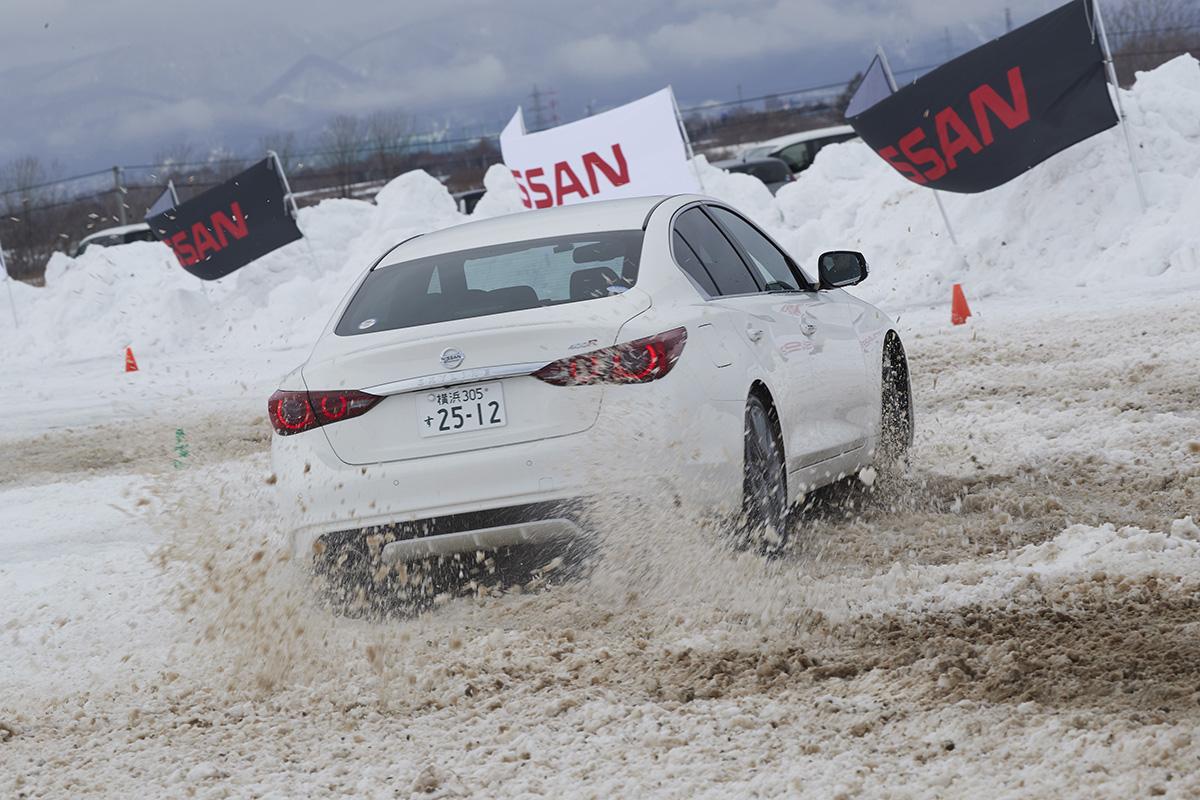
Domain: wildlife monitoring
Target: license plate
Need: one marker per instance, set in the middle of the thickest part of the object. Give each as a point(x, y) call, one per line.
point(461, 409)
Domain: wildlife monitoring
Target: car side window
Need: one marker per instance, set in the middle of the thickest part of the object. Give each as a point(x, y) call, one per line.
point(820, 144)
point(769, 260)
point(729, 273)
point(798, 156)
point(686, 258)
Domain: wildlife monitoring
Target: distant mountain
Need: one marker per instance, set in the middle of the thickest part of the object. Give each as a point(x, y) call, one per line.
point(313, 81)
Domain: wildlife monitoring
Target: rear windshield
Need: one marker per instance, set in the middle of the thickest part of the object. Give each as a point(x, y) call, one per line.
point(493, 280)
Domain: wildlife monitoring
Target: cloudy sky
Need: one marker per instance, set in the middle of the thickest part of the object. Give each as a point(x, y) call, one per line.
point(88, 84)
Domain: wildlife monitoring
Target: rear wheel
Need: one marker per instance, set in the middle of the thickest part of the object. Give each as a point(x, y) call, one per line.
point(896, 424)
point(764, 492)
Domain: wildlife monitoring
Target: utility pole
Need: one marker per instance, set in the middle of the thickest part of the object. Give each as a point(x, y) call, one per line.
point(949, 46)
point(119, 194)
point(1007, 19)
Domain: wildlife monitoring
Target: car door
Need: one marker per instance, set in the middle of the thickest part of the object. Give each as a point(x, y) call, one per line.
point(805, 343)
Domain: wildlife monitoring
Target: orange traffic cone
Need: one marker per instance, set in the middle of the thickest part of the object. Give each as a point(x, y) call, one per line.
point(130, 361)
point(959, 310)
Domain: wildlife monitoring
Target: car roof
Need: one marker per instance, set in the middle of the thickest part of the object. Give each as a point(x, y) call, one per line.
point(780, 142)
point(116, 231)
point(730, 163)
point(600, 215)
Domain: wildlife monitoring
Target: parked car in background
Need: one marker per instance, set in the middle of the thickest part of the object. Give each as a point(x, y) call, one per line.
point(798, 150)
point(124, 234)
point(774, 172)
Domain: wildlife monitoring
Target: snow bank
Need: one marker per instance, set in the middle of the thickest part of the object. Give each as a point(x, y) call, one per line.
point(1073, 221)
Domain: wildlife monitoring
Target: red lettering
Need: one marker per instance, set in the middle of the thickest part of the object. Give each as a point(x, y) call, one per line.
point(947, 119)
point(926, 156)
point(236, 226)
point(516, 173)
point(564, 187)
point(985, 99)
point(890, 155)
point(204, 240)
point(184, 252)
point(617, 177)
point(545, 200)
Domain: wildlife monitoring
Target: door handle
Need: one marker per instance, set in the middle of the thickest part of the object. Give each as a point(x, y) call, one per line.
point(754, 334)
point(807, 326)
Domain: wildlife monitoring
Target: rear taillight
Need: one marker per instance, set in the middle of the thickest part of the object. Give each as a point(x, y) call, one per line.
point(639, 361)
point(296, 412)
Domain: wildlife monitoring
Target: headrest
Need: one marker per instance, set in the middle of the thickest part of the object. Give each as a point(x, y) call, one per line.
point(594, 282)
point(512, 298)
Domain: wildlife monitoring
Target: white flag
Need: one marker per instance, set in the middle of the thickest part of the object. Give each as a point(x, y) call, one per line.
point(167, 200)
point(634, 150)
point(873, 87)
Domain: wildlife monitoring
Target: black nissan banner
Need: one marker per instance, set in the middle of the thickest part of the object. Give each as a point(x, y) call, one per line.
point(993, 113)
point(230, 225)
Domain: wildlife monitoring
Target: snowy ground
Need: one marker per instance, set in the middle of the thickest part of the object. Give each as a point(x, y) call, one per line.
point(1020, 617)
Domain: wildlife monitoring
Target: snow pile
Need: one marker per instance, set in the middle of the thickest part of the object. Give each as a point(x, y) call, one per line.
point(1070, 222)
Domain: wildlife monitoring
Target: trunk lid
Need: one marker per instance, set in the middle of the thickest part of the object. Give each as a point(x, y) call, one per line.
point(498, 351)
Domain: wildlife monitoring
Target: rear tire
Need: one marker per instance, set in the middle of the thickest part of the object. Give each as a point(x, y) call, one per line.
point(896, 420)
point(764, 488)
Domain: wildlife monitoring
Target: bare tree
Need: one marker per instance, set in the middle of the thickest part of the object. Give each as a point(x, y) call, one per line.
point(340, 143)
point(284, 145)
point(175, 162)
point(33, 216)
point(222, 164)
point(388, 133)
point(1145, 33)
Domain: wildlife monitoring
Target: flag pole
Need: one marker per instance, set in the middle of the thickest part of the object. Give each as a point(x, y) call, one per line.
point(887, 71)
point(289, 196)
point(1111, 69)
point(287, 187)
point(687, 142)
point(8, 283)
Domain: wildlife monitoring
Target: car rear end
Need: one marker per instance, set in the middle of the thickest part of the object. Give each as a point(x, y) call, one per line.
point(455, 404)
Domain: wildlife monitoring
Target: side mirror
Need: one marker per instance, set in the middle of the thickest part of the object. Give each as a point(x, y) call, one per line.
point(839, 268)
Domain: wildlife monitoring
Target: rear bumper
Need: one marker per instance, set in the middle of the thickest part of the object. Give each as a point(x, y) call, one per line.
point(321, 494)
point(668, 445)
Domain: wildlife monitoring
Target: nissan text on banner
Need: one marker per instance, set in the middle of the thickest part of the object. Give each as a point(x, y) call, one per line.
point(993, 113)
point(631, 151)
point(230, 225)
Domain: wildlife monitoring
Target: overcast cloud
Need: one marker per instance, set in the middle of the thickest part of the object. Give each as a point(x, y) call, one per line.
point(92, 83)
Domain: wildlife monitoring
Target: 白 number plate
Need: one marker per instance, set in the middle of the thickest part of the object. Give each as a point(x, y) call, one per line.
point(460, 409)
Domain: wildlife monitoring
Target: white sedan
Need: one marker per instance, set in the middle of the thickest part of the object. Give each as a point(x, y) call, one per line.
point(478, 385)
